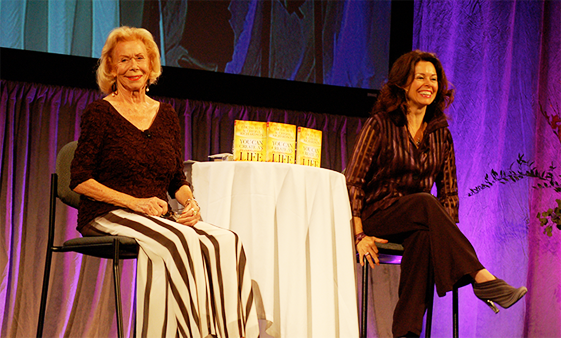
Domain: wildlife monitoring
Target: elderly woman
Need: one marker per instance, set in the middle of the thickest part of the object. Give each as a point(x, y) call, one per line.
point(192, 278)
point(403, 149)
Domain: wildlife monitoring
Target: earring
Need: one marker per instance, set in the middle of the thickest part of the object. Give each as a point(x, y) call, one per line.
point(147, 86)
point(114, 89)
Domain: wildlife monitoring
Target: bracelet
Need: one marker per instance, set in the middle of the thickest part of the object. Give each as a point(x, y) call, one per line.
point(359, 237)
point(192, 199)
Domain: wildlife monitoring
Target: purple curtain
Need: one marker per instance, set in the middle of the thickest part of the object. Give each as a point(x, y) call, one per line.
point(35, 122)
point(544, 279)
point(503, 59)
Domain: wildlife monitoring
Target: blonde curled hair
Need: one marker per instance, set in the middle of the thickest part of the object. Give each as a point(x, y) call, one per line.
point(105, 79)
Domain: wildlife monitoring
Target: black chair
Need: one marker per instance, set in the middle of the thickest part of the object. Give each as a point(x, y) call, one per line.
point(390, 253)
point(109, 247)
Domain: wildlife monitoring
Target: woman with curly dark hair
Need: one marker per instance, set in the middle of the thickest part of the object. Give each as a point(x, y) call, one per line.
point(404, 149)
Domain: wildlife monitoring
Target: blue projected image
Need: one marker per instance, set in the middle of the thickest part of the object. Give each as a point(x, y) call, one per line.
point(344, 43)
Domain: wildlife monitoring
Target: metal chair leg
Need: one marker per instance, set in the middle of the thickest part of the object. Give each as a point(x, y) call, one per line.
point(364, 314)
point(49, 256)
point(430, 302)
point(44, 293)
point(117, 285)
point(428, 323)
point(455, 314)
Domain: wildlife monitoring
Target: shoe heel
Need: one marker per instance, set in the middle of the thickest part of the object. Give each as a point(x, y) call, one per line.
point(497, 290)
point(492, 305)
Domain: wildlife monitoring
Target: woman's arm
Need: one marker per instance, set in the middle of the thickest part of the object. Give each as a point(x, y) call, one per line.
point(446, 181)
point(360, 163)
point(179, 187)
point(191, 212)
point(152, 206)
point(355, 173)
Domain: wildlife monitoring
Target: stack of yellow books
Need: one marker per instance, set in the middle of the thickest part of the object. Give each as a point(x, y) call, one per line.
point(276, 142)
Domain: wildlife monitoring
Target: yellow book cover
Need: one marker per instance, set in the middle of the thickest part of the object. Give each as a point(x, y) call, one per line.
point(281, 141)
point(308, 151)
point(249, 141)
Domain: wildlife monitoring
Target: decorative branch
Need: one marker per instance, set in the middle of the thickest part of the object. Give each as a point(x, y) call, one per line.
point(520, 169)
point(525, 169)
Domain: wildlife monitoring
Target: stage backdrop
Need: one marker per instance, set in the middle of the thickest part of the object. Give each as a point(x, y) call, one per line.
point(342, 42)
point(503, 58)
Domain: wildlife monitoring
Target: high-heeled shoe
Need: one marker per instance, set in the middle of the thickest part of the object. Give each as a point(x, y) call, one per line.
point(497, 290)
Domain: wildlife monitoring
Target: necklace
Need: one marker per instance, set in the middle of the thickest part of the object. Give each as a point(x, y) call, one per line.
point(417, 138)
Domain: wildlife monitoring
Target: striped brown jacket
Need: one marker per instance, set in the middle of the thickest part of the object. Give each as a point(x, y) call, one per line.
point(386, 164)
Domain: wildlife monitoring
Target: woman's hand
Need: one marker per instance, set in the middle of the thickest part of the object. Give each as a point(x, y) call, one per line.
point(367, 247)
point(152, 206)
point(191, 213)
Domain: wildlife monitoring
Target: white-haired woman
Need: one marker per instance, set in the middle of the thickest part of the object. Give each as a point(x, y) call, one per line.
point(192, 277)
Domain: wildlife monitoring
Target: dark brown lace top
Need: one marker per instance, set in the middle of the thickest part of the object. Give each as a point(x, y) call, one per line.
point(115, 153)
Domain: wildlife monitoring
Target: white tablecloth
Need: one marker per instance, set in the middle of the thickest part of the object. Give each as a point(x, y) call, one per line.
point(294, 222)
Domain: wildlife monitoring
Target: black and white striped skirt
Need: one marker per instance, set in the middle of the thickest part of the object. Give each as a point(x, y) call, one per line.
point(191, 281)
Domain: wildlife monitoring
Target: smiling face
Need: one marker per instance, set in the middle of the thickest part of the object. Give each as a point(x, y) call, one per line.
point(423, 87)
point(131, 65)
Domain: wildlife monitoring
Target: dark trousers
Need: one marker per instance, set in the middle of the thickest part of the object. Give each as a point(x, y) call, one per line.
point(433, 244)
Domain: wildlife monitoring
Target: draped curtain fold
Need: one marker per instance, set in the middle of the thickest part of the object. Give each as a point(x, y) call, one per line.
point(503, 59)
point(544, 306)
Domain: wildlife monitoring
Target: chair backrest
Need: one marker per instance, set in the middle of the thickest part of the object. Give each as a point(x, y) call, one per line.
point(63, 162)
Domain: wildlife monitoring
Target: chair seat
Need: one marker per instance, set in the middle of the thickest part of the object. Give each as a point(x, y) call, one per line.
point(101, 246)
point(390, 253)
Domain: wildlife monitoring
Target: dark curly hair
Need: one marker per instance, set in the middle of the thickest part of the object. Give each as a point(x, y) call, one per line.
point(392, 98)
